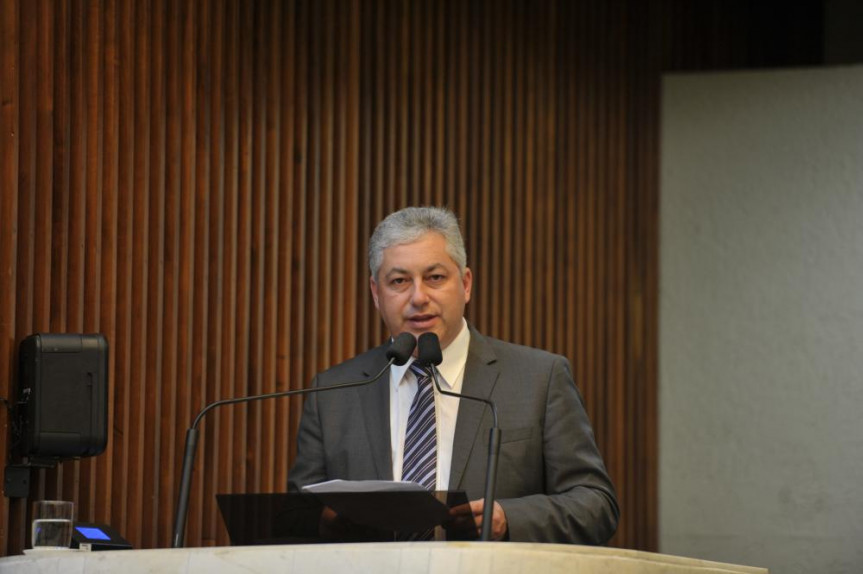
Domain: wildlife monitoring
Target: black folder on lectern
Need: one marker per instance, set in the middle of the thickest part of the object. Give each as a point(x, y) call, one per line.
point(279, 518)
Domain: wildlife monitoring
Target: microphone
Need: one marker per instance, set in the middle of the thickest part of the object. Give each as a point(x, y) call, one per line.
point(429, 354)
point(399, 353)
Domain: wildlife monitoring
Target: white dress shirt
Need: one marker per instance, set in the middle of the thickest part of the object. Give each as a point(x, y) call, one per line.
point(403, 387)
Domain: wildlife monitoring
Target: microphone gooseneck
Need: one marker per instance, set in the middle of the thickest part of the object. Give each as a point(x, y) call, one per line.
point(398, 353)
point(429, 354)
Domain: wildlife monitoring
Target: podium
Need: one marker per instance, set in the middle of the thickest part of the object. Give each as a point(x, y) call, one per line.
point(412, 557)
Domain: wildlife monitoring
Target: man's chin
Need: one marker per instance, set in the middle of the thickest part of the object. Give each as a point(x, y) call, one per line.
point(424, 326)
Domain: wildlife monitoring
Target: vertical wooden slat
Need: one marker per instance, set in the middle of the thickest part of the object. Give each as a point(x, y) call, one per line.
point(72, 213)
point(588, 125)
point(645, 332)
point(311, 216)
point(167, 387)
point(139, 367)
point(497, 139)
point(121, 349)
point(370, 125)
point(391, 61)
point(44, 96)
point(54, 279)
point(222, 477)
point(438, 132)
point(244, 265)
point(561, 204)
point(76, 213)
point(615, 444)
point(401, 77)
point(270, 456)
point(203, 326)
point(512, 92)
point(285, 422)
point(300, 142)
point(413, 134)
point(600, 194)
point(462, 166)
point(354, 289)
point(214, 41)
point(155, 269)
point(481, 217)
point(256, 255)
point(532, 196)
point(545, 126)
point(450, 41)
point(513, 191)
point(425, 89)
point(10, 38)
point(35, 42)
point(34, 131)
point(322, 207)
point(334, 278)
point(567, 162)
point(107, 302)
point(93, 93)
point(92, 271)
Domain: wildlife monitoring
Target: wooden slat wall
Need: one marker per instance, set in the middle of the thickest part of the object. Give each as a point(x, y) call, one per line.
point(197, 180)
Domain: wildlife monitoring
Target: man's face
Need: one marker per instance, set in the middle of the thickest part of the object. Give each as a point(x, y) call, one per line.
point(419, 289)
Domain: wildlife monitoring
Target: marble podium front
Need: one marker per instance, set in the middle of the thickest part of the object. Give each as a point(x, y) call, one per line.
point(411, 557)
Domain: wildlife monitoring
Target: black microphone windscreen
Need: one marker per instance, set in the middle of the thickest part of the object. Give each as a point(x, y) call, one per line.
point(429, 350)
point(402, 348)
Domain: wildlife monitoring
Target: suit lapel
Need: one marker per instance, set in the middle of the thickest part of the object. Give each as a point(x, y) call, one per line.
point(480, 377)
point(374, 401)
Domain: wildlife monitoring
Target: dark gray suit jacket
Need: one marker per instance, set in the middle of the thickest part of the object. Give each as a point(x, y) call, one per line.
point(552, 482)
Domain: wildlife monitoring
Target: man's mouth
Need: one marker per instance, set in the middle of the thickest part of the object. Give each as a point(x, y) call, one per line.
point(421, 321)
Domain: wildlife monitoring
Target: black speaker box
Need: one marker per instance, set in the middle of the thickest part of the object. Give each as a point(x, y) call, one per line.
point(63, 402)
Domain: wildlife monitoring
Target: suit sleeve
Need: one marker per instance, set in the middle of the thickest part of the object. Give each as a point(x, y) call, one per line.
point(310, 465)
point(578, 504)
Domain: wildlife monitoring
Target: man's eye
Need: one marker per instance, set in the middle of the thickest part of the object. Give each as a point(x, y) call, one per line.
point(398, 281)
point(437, 278)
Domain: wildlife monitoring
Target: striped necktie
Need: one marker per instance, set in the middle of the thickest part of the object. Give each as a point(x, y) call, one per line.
point(420, 452)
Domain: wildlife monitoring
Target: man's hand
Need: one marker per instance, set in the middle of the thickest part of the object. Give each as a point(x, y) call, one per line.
point(331, 526)
point(335, 528)
point(473, 511)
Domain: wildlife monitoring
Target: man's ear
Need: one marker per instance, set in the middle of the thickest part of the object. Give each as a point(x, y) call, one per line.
point(373, 286)
point(467, 283)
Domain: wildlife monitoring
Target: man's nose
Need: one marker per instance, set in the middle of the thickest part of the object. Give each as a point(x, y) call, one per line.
point(419, 296)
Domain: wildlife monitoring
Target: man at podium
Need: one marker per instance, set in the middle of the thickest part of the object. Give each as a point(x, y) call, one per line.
point(552, 484)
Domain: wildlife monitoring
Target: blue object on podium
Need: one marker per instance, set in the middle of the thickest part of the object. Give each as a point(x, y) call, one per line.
point(92, 536)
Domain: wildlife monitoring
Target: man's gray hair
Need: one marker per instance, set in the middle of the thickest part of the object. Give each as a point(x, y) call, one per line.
point(411, 223)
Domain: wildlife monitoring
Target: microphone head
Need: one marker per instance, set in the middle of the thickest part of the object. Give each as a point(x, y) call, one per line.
point(429, 350)
point(402, 348)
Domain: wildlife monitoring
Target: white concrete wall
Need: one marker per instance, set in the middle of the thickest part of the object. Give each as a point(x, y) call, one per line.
point(761, 319)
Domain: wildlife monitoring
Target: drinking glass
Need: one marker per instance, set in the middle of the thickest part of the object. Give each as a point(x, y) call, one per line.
point(52, 523)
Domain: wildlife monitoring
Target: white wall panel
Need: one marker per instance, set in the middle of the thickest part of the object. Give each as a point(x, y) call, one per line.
point(761, 319)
